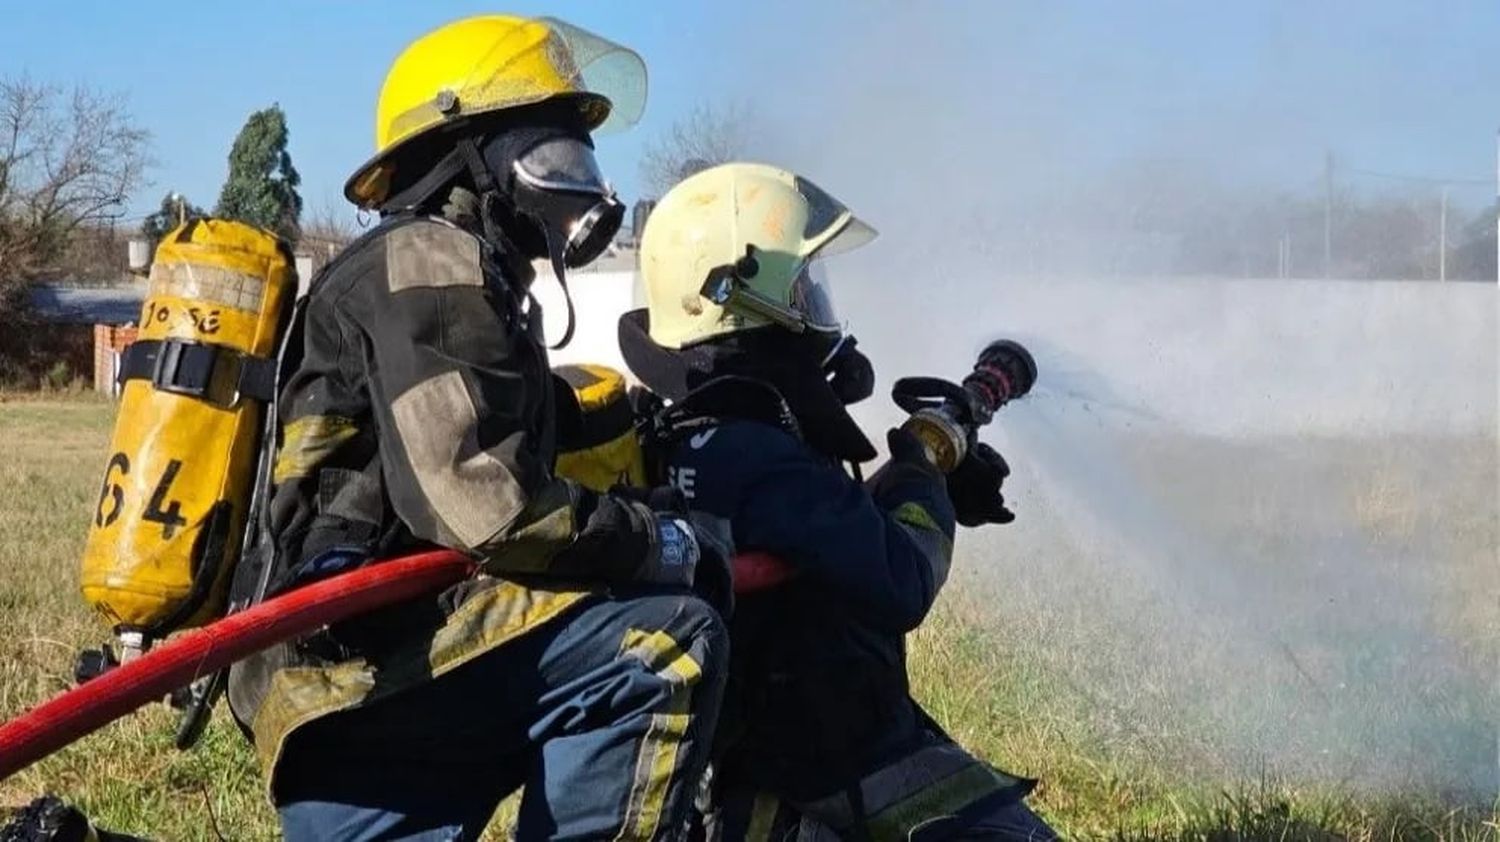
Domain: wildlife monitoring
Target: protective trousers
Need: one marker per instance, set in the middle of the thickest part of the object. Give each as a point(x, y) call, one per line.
point(746, 816)
point(935, 791)
point(603, 716)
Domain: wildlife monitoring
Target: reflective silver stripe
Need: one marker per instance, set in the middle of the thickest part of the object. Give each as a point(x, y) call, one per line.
point(431, 254)
point(471, 491)
point(209, 284)
point(660, 756)
point(931, 770)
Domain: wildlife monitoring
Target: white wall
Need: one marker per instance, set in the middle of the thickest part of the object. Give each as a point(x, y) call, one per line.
point(600, 299)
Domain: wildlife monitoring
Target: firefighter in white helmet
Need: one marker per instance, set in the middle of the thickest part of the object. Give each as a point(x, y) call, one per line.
point(740, 336)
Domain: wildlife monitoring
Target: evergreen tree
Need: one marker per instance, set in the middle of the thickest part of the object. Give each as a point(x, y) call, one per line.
point(262, 184)
point(174, 209)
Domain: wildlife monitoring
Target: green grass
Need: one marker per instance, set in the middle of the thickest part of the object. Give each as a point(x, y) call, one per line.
point(1031, 683)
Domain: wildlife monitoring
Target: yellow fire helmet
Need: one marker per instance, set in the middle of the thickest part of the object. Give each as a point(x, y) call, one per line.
point(733, 247)
point(474, 68)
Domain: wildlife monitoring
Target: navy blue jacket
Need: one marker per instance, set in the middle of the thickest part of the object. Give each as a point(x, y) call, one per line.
point(818, 694)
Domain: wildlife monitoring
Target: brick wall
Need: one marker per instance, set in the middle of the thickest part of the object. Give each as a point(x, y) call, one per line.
point(108, 341)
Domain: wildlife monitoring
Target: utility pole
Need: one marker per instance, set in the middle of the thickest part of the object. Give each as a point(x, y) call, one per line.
point(1327, 214)
point(1443, 237)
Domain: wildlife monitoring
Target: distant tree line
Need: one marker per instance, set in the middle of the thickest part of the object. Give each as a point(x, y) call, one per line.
point(1156, 217)
point(70, 161)
point(1379, 236)
point(261, 188)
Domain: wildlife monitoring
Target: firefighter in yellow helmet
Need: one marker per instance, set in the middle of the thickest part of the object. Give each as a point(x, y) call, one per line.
point(417, 410)
point(819, 733)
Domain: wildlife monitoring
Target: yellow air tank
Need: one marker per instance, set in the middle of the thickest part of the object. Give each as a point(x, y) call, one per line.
point(597, 445)
point(172, 506)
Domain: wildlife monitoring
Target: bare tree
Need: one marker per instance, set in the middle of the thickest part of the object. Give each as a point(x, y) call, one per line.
point(706, 137)
point(68, 159)
point(329, 228)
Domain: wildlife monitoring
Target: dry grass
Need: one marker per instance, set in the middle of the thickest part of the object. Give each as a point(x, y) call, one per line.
point(128, 775)
point(1043, 685)
point(1273, 640)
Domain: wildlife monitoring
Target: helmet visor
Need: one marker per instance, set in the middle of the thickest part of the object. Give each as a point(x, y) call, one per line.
point(830, 228)
point(812, 299)
point(606, 68)
point(529, 61)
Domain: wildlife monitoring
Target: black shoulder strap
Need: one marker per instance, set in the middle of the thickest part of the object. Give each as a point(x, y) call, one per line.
point(661, 426)
point(732, 397)
point(257, 550)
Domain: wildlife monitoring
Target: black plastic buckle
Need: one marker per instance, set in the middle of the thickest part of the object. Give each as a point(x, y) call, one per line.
point(184, 368)
point(93, 663)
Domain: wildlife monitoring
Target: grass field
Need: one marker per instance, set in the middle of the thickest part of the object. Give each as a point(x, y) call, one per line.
point(1024, 676)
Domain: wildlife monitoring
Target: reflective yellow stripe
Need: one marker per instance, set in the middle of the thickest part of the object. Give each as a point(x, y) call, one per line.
point(495, 613)
point(762, 818)
point(307, 441)
point(661, 653)
point(670, 729)
point(941, 798)
point(657, 761)
point(913, 514)
point(918, 519)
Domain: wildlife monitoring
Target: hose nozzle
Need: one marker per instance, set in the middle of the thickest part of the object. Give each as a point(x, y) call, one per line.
point(945, 416)
point(1005, 371)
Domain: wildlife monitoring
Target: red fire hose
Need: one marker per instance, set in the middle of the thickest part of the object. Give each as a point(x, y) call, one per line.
point(178, 662)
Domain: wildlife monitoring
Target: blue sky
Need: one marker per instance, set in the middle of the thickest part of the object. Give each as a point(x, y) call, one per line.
point(1016, 96)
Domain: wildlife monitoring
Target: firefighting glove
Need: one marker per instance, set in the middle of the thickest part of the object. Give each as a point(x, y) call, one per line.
point(689, 549)
point(330, 562)
point(908, 454)
point(714, 580)
point(695, 552)
point(974, 487)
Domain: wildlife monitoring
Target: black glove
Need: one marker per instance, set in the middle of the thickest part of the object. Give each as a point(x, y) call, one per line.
point(703, 546)
point(974, 487)
point(907, 451)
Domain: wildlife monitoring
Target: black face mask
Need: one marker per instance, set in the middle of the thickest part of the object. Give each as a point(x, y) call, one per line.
point(850, 373)
point(540, 192)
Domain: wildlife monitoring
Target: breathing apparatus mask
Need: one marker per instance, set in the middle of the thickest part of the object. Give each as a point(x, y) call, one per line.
point(556, 185)
point(541, 195)
point(850, 374)
point(555, 199)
